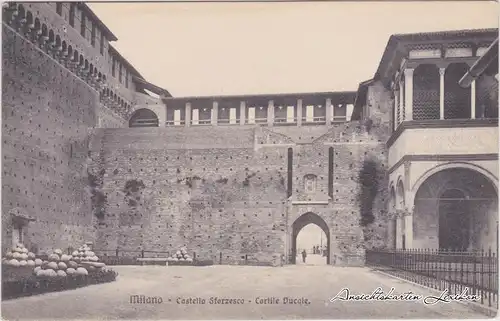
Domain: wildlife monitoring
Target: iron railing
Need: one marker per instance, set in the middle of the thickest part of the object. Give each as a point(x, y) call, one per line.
point(456, 271)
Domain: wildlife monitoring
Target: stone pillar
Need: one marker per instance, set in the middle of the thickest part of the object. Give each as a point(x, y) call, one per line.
point(473, 99)
point(299, 112)
point(396, 109)
point(243, 113)
point(270, 113)
point(409, 94)
point(215, 113)
point(441, 92)
point(401, 101)
point(399, 229)
point(187, 115)
point(328, 111)
point(409, 231)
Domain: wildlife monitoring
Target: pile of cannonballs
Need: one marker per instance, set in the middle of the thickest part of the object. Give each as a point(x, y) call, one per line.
point(19, 256)
point(59, 265)
point(181, 255)
point(80, 262)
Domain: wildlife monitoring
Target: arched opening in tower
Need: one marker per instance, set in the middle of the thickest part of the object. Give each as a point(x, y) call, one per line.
point(144, 118)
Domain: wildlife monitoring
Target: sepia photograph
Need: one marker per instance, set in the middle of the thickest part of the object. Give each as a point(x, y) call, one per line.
point(199, 160)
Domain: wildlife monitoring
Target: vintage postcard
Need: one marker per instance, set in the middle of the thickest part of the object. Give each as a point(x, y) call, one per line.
point(249, 160)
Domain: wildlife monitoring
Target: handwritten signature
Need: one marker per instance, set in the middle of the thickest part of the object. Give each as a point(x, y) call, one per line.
point(379, 295)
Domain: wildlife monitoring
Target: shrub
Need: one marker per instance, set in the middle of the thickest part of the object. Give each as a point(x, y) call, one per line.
point(32, 285)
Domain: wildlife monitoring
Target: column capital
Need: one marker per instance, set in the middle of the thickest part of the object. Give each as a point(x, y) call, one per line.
point(442, 70)
point(409, 72)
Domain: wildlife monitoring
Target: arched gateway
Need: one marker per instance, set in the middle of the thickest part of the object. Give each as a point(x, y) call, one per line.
point(300, 223)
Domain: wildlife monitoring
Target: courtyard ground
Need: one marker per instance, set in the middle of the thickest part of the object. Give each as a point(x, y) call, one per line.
point(311, 259)
point(317, 284)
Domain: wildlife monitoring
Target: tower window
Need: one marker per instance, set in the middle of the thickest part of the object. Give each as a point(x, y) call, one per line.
point(59, 7)
point(82, 25)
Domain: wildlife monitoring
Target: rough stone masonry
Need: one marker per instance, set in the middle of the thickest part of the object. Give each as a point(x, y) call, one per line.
point(223, 192)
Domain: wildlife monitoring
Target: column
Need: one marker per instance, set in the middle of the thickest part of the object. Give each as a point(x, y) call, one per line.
point(399, 238)
point(408, 94)
point(328, 111)
point(299, 112)
point(242, 112)
point(270, 113)
point(401, 101)
point(409, 231)
point(473, 99)
point(441, 92)
point(187, 115)
point(396, 109)
point(215, 113)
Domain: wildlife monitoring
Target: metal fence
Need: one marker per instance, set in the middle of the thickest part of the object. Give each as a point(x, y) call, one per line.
point(455, 271)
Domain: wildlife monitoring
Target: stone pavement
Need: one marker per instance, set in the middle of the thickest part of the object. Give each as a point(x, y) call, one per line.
point(259, 288)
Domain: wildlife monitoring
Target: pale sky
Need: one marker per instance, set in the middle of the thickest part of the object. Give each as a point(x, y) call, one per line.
point(198, 49)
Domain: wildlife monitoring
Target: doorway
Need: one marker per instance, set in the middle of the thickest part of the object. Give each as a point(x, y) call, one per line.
point(312, 229)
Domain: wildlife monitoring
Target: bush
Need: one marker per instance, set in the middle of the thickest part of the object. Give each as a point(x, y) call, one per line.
point(33, 285)
point(11, 273)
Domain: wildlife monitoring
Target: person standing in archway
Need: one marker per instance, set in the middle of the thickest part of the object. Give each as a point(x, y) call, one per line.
point(304, 255)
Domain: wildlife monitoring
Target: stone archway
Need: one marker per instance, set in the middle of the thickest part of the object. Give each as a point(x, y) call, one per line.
point(144, 118)
point(301, 222)
point(456, 208)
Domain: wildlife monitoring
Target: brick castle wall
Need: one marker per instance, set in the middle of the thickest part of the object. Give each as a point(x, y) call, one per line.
point(222, 191)
point(47, 115)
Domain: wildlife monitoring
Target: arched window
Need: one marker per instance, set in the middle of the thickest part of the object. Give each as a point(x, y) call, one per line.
point(51, 37)
point(37, 26)
point(426, 92)
point(45, 32)
point(144, 118)
point(21, 14)
point(29, 24)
